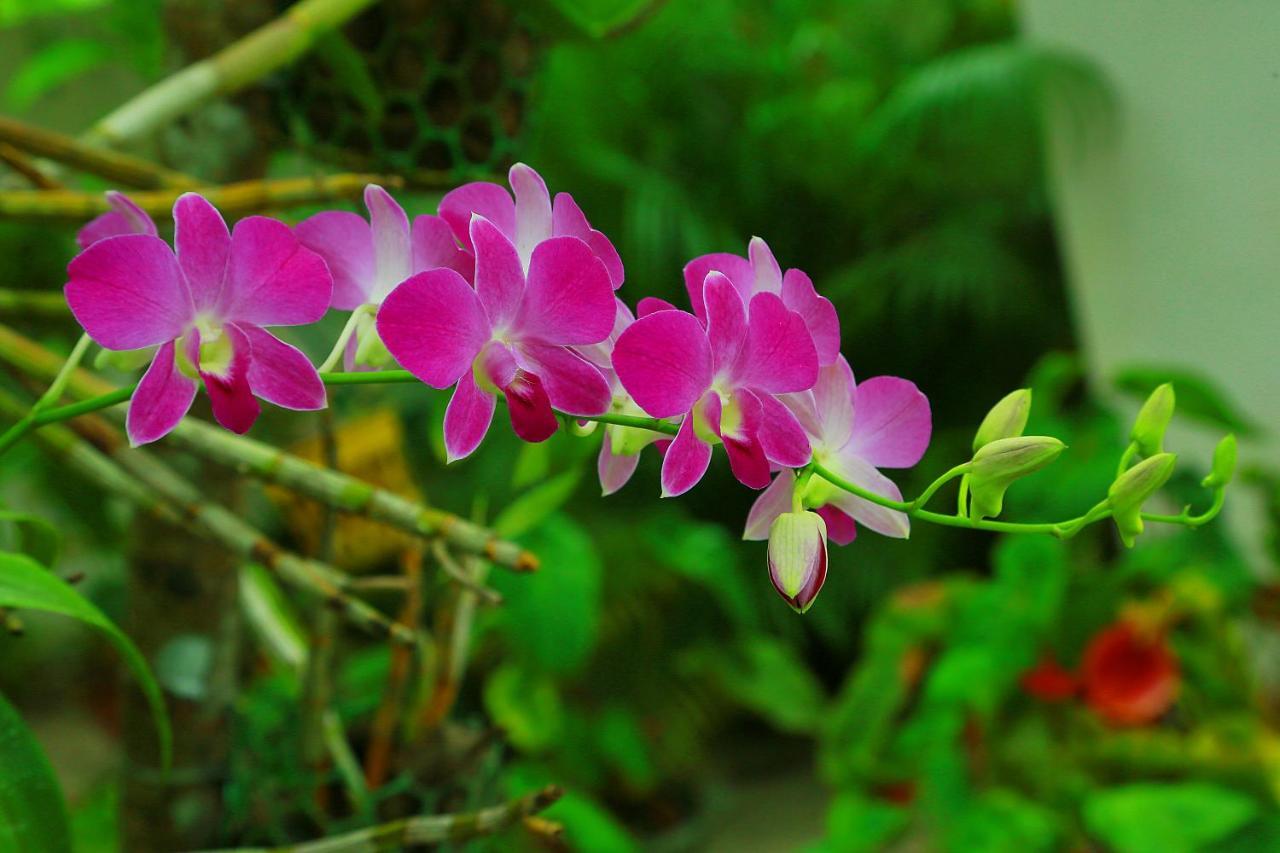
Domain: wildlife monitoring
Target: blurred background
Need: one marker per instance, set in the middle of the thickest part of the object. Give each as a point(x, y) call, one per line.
point(1055, 194)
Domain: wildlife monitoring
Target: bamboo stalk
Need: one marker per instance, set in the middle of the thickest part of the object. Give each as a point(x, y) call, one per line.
point(74, 206)
point(17, 160)
point(271, 46)
point(113, 165)
point(434, 829)
point(34, 303)
point(270, 464)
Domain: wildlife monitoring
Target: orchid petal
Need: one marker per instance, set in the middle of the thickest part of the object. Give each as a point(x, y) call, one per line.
point(651, 305)
point(392, 248)
point(533, 210)
point(343, 239)
point(500, 280)
point(128, 293)
point(726, 317)
point(779, 356)
point(568, 298)
point(203, 244)
point(434, 326)
point(530, 409)
point(768, 275)
point(685, 462)
point(770, 504)
point(892, 423)
point(664, 362)
point(480, 197)
point(574, 385)
point(841, 528)
point(615, 470)
point(833, 396)
point(279, 373)
point(741, 442)
point(780, 434)
point(161, 399)
point(820, 317)
point(234, 405)
point(272, 279)
point(737, 269)
point(124, 217)
point(435, 246)
point(467, 418)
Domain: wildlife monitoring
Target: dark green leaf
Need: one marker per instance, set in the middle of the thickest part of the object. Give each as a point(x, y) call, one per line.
point(36, 537)
point(527, 511)
point(526, 706)
point(33, 817)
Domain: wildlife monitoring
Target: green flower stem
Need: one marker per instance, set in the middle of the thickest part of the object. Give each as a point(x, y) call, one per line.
point(335, 355)
point(959, 470)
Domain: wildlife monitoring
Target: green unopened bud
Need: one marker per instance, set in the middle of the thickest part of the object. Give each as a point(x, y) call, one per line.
point(997, 464)
point(1153, 419)
point(798, 557)
point(1132, 489)
point(1007, 419)
point(1224, 463)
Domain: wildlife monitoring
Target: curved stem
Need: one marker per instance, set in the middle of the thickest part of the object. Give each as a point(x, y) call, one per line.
point(962, 468)
point(340, 346)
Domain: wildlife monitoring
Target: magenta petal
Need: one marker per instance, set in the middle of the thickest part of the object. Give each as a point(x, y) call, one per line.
point(742, 444)
point(568, 221)
point(234, 405)
point(344, 241)
point(568, 298)
point(779, 357)
point(882, 520)
point(281, 374)
point(128, 293)
point(841, 528)
point(608, 255)
point(435, 246)
point(161, 399)
point(685, 462)
point(487, 199)
point(203, 244)
point(771, 503)
point(467, 418)
point(833, 398)
point(530, 408)
point(892, 422)
point(737, 269)
point(614, 470)
point(533, 209)
point(273, 280)
point(768, 275)
point(819, 314)
point(433, 325)
point(125, 217)
point(664, 362)
point(726, 317)
point(392, 248)
point(781, 436)
point(499, 276)
point(574, 385)
point(652, 305)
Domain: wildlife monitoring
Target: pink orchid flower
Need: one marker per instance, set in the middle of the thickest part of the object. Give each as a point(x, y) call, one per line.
point(204, 303)
point(760, 273)
point(855, 429)
point(529, 219)
point(124, 217)
point(723, 378)
point(369, 258)
point(512, 334)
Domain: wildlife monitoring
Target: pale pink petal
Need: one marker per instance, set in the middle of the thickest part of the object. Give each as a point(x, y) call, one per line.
point(435, 246)
point(128, 293)
point(573, 385)
point(891, 423)
point(272, 279)
point(841, 529)
point(203, 244)
point(771, 503)
point(882, 520)
point(433, 325)
point(738, 270)
point(685, 462)
point(652, 305)
point(614, 469)
point(664, 362)
point(601, 354)
point(499, 276)
point(281, 374)
point(726, 318)
point(781, 436)
point(768, 275)
point(161, 399)
point(533, 209)
point(568, 298)
point(819, 314)
point(234, 405)
point(344, 241)
point(487, 199)
point(833, 397)
point(392, 248)
point(125, 217)
point(779, 356)
point(467, 418)
point(530, 408)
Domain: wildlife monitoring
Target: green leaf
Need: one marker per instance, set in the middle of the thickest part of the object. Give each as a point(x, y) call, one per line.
point(33, 816)
point(1198, 397)
point(858, 823)
point(769, 678)
point(1166, 818)
point(598, 18)
point(527, 511)
point(16, 11)
point(526, 706)
point(56, 64)
point(26, 585)
point(36, 537)
point(622, 743)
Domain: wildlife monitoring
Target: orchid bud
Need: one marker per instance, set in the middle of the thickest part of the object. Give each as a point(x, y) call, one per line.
point(1224, 463)
point(997, 464)
point(1153, 419)
point(798, 557)
point(1007, 419)
point(1132, 489)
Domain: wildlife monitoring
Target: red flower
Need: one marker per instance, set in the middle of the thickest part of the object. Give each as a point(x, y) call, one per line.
point(1129, 678)
point(1048, 681)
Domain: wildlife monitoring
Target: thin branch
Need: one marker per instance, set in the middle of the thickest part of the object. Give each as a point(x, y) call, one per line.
point(383, 728)
point(460, 575)
point(74, 206)
point(17, 160)
point(435, 829)
point(34, 303)
point(121, 168)
point(271, 46)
